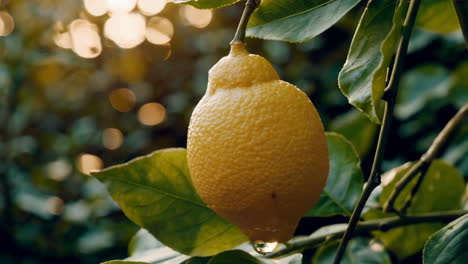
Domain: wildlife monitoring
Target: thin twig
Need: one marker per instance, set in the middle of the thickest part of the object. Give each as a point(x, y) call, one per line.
point(390, 96)
point(424, 162)
point(383, 224)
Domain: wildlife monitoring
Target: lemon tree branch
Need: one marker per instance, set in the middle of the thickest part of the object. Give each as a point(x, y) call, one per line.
point(390, 97)
point(383, 224)
point(250, 6)
point(425, 161)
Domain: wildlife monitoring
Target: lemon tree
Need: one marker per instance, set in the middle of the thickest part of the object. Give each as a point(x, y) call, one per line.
point(259, 163)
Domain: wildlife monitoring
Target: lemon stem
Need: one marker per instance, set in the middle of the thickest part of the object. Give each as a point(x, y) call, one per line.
point(250, 6)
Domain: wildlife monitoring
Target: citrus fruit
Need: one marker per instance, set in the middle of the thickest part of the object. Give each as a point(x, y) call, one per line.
point(256, 149)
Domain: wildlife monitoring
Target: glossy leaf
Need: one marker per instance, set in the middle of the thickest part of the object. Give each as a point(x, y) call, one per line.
point(296, 20)
point(363, 77)
point(156, 192)
point(203, 4)
point(356, 127)
point(449, 245)
point(441, 190)
point(420, 86)
point(359, 250)
point(345, 180)
point(437, 16)
point(234, 257)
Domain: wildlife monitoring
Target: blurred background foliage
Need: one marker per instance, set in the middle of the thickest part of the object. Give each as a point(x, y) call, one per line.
point(87, 84)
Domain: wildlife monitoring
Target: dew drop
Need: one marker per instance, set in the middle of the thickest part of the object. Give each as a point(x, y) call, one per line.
point(264, 247)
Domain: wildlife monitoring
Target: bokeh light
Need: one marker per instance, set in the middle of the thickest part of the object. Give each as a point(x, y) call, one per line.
point(127, 30)
point(112, 138)
point(151, 114)
point(151, 7)
point(58, 170)
point(121, 6)
point(54, 205)
point(96, 7)
point(88, 163)
point(63, 40)
point(198, 18)
point(7, 24)
point(85, 39)
point(159, 30)
point(122, 100)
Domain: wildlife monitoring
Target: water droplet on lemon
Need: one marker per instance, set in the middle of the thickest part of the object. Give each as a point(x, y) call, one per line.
point(265, 247)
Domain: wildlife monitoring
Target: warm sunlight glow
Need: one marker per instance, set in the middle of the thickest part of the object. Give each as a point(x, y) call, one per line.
point(7, 24)
point(151, 7)
point(198, 18)
point(121, 6)
point(88, 163)
point(96, 7)
point(159, 30)
point(112, 138)
point(122, 100)
point(127, 30)
point(63, 40)
point(85, 39)
point(58, 170)
point(54, 205)
point(151, 114)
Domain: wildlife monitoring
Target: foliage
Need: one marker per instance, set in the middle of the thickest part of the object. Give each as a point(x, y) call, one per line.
point(448, 244)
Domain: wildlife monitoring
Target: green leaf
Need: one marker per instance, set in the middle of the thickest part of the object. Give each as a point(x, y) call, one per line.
point(449, 245)
point(438, 16)
point(203, 4)
point(345, 180)
point(296, 20)
point(420, 86)
point(441, 190)
point(156, 192)
point(363, 77)
point(356, 127)
point(359, 250)
point(234, 257)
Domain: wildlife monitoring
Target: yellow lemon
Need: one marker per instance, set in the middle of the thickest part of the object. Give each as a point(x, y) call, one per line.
point(256, 149)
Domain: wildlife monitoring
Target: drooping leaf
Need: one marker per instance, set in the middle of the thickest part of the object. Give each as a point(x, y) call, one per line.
point(296, 20)
point(234, 257)
point(359, 250)
point(204, 4)
point(437, 16)
point(363, 77)
point(356, 127)
point(419, 86)
point(441, 190)
point(345, 180)
point(156, 192)
point(449, 245)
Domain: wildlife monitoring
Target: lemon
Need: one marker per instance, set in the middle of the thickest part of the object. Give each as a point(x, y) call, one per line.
point(256, 149)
